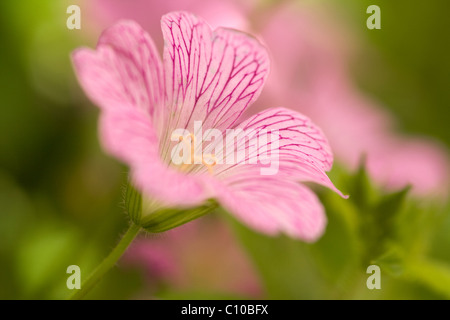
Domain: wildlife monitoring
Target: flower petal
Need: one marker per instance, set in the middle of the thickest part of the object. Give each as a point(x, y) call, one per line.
point(210, 76)
point(271, 206)
point(129, 135)
point(298, 137)
point(286, 138)
point(125, 71)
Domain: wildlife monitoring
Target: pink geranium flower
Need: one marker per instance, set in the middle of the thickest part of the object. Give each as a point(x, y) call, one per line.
point(212, 76)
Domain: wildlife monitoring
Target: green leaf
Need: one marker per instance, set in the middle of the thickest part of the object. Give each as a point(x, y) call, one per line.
point(337, 251)
point(292, 269)
point(392, 262)
point(362, 192)
point(44, 256)
point(433, 274)
point(389, 205)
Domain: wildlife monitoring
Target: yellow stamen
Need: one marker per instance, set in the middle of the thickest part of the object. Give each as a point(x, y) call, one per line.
point(194, 158)
point(208, 165)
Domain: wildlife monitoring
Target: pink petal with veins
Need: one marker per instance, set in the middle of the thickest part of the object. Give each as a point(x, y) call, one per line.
point(273, 206)
point(302, 150)
point(210, 76)
point(299, 139)
point(125, 70)
point(129, 135)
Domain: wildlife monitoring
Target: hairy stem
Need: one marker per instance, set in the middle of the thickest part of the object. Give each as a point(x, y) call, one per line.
point(107, 263)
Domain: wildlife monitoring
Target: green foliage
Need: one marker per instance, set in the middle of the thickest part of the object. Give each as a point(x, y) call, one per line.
point(388, 229)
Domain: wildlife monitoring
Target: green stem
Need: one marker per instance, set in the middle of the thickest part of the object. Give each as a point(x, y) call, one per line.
point(108, 263)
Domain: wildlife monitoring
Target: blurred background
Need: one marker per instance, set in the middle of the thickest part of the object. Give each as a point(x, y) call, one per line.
point(380, 95)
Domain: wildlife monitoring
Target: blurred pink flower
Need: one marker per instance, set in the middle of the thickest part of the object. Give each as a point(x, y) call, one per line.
point(313, 77)
point(148, 13)
point(185, 261)
point(211, 76)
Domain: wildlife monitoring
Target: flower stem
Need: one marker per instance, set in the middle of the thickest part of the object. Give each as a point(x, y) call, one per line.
point(107, 263)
